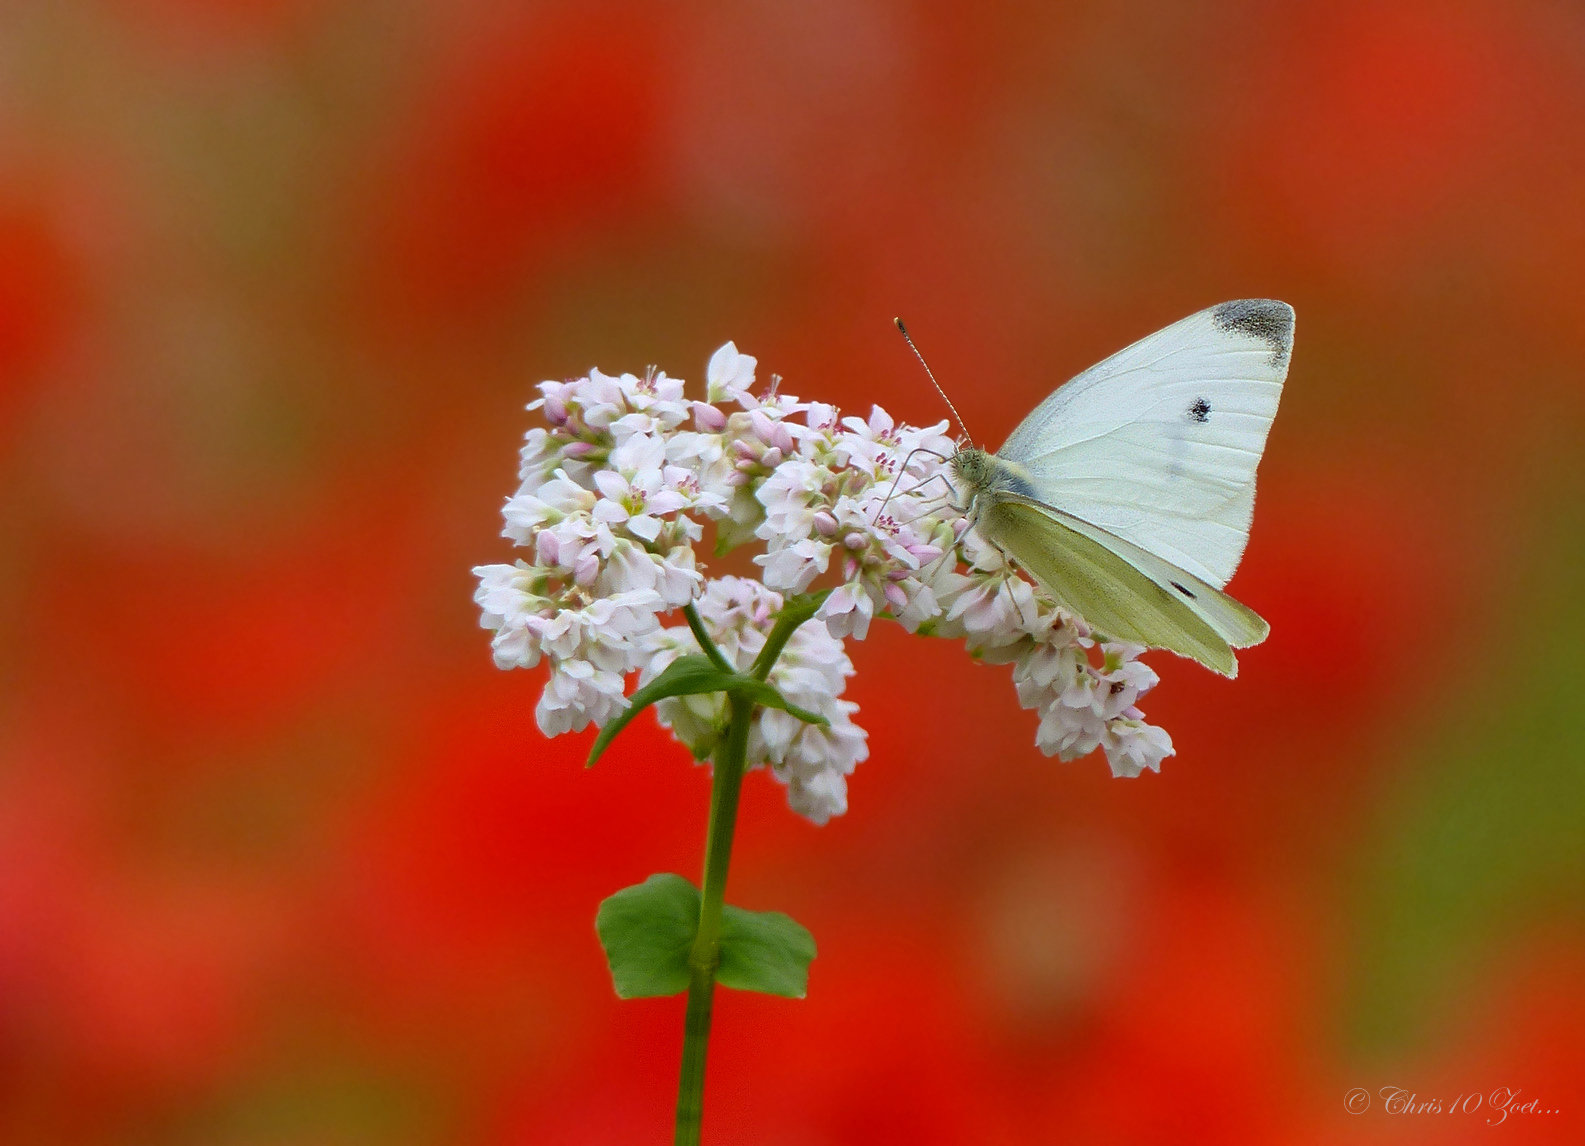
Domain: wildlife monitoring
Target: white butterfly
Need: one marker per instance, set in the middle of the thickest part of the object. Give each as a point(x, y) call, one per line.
point(1128, 492)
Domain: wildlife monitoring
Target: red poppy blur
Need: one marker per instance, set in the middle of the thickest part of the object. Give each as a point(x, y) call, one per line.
point(284, 858)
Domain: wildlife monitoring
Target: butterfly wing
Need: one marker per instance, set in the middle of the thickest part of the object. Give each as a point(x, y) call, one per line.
point(1158, 444)
point(1119, 588)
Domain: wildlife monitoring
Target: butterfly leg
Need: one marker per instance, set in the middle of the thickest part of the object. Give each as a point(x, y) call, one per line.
point(1017, 604)
point(1016, 573)
point(938, 476)
point(914, 490)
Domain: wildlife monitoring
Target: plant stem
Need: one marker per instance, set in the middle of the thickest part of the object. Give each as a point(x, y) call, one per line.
point(796, 612)
point(706, 645)
point(706, 953)
point(725, 787)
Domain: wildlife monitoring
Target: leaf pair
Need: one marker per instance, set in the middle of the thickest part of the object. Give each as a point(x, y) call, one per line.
point(648, 931)
point(689, 676)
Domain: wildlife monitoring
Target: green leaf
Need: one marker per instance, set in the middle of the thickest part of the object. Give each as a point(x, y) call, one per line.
point(762, 693)
point(764, 951)
point(647, 931)
point(685, 676)
point(689, 676)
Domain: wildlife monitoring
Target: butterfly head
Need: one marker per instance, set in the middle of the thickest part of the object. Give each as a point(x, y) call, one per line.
point(972, 466)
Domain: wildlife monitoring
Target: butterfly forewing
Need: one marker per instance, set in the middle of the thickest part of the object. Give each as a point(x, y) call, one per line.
point(1158, 444)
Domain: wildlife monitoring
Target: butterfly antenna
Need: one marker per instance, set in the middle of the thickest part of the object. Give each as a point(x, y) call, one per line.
point(930, 374)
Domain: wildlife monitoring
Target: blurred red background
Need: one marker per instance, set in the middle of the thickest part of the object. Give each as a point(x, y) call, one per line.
point(284, 859)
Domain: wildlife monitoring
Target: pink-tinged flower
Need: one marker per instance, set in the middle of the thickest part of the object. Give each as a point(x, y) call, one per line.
point(880, 447)
point(989, 609)
point(635, 493)
point(656, 402)
point(848, 611)
point(708, 419)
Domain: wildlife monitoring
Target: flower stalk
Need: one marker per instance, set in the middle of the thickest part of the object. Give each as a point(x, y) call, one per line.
point(706, 952)
point(725, 788)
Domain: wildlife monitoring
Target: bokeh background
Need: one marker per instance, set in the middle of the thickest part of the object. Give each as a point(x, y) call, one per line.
point(283, 858)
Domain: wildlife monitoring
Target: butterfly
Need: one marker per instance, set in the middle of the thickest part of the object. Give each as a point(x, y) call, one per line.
point(1127, 494)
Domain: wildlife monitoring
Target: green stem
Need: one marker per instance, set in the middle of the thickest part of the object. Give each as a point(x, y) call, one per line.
point(797, 611)
point(696, 626)
point(706, 953)
point(730, 760)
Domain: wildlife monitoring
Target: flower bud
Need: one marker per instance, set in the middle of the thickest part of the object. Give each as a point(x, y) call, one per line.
point(708, 419)
point(764, 429)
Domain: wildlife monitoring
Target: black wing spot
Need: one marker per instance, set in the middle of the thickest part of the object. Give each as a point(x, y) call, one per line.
point(1180, 589)
point(1263, 318)
point(1200, 411)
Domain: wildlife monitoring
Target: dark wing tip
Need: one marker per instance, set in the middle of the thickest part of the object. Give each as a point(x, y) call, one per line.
point(1267, 319)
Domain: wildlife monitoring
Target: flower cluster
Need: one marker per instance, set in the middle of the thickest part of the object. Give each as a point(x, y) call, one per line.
point(617, 490)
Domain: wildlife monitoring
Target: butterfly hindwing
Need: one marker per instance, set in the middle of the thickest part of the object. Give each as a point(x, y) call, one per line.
point(1233, 621)
point(1092, 580)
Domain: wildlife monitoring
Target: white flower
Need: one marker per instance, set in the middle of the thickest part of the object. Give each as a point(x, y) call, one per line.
point(540, 504)
point(539, 457)
point(793, 569)
point(1133, 746)
point(789, 496)
point(730, 374)
point(672, 576)
point(819, 797)
point(601, 400)
point(1068, 733)
point(576, 694)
